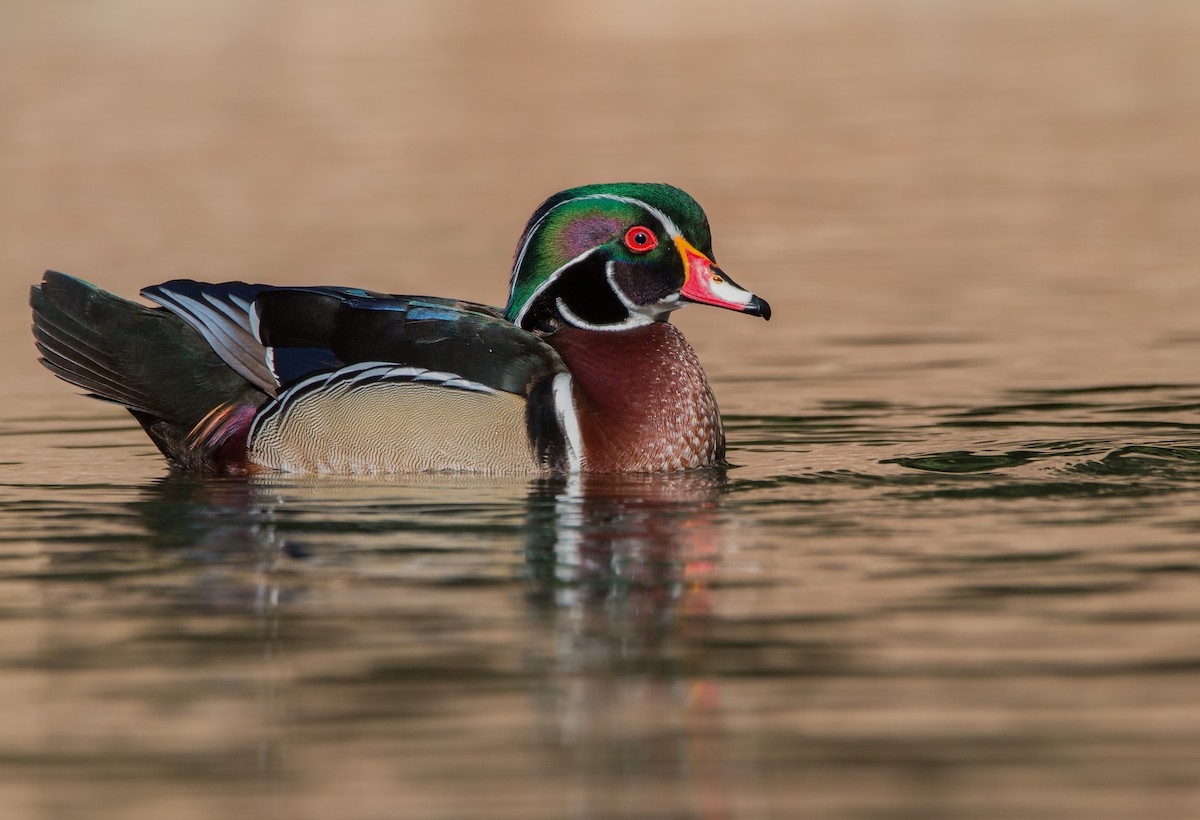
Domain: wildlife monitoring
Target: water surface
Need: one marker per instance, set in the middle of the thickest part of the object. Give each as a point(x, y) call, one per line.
point(929, 630)
point(953, 568)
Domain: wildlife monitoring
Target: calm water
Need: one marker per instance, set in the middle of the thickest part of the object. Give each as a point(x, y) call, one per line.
point(953, 572)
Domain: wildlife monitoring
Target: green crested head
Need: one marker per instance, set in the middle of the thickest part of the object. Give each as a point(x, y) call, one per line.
point(615, 257)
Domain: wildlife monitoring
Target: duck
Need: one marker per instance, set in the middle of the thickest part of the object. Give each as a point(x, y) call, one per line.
point(580, 372)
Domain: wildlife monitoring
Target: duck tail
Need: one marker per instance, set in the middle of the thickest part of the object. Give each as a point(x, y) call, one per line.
point(195, 408)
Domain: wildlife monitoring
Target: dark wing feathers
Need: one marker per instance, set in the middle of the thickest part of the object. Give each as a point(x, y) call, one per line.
point(221, 314)
point(195, 371)
point(274, 337)
point(291, 364)
point(140, 357)
point(473, 341)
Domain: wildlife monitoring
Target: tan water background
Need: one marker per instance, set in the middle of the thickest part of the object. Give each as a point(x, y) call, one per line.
point(955, 209)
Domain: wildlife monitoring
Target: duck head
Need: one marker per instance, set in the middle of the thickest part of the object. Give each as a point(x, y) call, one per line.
point(616, 257)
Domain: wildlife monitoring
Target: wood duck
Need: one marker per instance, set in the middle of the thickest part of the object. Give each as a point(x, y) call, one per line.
point(581, 372)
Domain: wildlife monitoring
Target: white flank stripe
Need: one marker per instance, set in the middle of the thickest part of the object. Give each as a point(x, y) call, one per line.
point(434, 376)
point(568, 420)
point(369, 373)
point(467, 384)
point(406, 372)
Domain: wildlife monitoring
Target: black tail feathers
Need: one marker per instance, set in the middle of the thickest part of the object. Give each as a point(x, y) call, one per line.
point(143, 358)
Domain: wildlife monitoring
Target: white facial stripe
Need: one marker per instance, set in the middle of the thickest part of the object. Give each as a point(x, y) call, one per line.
point(654, 310)
point(670, 227)
point(666, 221)
point(630, 305)
point(639, 315)
point(550, 280)
point(631, 321)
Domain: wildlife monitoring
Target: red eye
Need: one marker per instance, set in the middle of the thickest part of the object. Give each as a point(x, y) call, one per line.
point(640, 239)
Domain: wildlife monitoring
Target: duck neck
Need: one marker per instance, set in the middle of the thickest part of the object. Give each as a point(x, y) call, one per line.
point(643, 401)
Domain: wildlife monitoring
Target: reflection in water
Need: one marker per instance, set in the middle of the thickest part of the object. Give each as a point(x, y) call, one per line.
point(879, 595)
point(617, 573)
point(621, 569)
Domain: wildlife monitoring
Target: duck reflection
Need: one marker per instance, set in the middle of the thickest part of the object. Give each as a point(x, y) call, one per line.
point(616, 575)
point(621, 573)
point(617, 537)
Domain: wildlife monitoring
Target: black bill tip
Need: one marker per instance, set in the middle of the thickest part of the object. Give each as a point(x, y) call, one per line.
point(759, 307)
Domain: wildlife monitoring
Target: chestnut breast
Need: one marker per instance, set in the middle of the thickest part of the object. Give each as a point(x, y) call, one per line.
point(643, 401)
